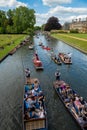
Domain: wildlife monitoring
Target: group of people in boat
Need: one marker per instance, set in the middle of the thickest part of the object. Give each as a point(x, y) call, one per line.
point(45, 47)
point(66, 57)
point(56, 58)
point(33, 101)
point(73, 101)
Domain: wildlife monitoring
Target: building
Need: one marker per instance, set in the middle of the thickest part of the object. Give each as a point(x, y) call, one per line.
point(79, 25)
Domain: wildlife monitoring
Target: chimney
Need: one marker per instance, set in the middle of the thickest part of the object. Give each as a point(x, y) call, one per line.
point(79, 19)
point(76, 20)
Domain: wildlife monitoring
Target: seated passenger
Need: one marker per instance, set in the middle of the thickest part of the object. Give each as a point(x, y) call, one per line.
point(82, 101)
point(26, 87)
point(29, 103)
point(66, 100)
point(78, 105)
point(41, 98)
point(31, 114)
point(36, 90)
point(63, 86)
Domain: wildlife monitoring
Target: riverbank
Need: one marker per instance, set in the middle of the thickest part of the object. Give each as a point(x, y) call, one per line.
point(77, 41)
point(8, 43)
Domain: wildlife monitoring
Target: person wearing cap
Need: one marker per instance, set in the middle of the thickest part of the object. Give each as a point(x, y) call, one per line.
point(69, 55)
point(57, 75)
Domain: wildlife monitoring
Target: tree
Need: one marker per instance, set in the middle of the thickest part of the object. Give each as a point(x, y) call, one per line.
point(52, 24)
point(42, 27)
point(3, 21)
point(24, 18)
point(10, 17)
point(37, 28)
point(19, 20)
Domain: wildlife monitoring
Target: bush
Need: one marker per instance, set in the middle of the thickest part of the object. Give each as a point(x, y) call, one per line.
point(74, 31)
point(60, 31)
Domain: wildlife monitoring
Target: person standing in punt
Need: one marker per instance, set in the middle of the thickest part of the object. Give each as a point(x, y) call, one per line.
point(37, 58)
point(69, 56)
point(27, 72)
point(57, 75)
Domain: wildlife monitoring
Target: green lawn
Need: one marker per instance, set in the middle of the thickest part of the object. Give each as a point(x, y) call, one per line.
point(78, 35)
point(13, 40)
point(79, 44)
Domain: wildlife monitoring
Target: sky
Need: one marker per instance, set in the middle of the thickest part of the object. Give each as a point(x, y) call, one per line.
point(64, 10)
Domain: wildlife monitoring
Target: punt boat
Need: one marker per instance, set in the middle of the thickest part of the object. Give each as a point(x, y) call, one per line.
point(31, 47)
point(64, 58)
point(35, 117)
point(57, 61)
point(46, 48)
point(74, 103)
point(37, 62)
point(12, 51)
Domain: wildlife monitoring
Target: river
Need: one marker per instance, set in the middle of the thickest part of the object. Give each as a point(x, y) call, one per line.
point(12, 79)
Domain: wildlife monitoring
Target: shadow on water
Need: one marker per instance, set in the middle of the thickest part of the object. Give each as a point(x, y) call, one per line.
point(12, 79)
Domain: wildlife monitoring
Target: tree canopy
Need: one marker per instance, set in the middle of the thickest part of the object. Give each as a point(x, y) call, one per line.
point(52, 24)
point(18, 20)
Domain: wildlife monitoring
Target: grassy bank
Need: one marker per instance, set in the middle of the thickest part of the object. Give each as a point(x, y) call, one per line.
point(8, 42)
point(78, 35)
point(78, 41)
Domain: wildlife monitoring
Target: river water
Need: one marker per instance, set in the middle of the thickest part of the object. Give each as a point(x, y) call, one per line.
point(12, 79)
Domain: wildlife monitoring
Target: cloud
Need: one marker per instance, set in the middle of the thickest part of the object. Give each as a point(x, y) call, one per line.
point(64, 14)
point(55, 2)
point(11, 3)
point(61, 9)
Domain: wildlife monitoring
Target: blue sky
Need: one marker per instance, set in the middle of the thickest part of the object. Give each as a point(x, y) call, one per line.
point(64, 10)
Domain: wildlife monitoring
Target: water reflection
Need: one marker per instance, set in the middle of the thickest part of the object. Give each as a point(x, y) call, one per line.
point(12, 79)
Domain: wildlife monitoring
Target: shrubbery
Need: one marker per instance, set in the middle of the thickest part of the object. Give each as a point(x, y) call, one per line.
point(59, 31)
point(74, 31)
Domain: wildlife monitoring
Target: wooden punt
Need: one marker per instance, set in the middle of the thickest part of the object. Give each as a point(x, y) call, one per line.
point(12, 51)
point(37, 62)
point(31, 47)
point(56, 61)
point(65, 59)
point(18, 46)
point(46, 48)
point(34, 123)
point(69, 98)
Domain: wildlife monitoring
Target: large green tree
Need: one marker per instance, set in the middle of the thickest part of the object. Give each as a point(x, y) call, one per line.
point(52, 24)
point(23, 19)
point(19, 20)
